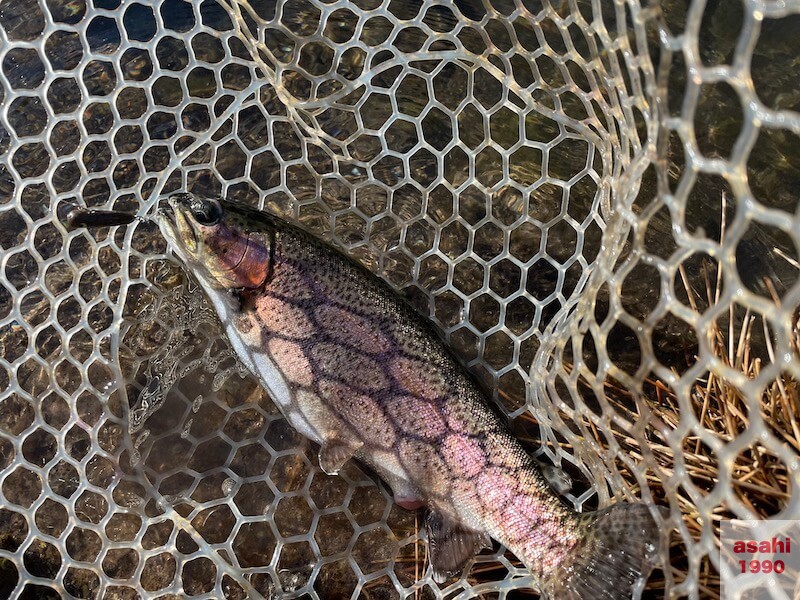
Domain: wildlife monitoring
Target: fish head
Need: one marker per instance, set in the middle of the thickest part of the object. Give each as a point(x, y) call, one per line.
point(225, 245)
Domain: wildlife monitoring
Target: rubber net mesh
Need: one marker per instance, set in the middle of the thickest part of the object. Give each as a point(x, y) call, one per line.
point(593, 200)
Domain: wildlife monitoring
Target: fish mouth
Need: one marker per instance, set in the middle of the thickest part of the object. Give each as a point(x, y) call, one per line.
point(166, 214)
point(174, 221)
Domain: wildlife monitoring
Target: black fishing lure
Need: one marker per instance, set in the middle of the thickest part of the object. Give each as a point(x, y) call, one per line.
point(91, 217)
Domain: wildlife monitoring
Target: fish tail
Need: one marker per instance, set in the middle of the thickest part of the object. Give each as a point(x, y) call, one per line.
point(618, 551)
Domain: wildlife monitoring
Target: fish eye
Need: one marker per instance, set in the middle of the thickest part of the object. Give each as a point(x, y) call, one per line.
point(207, 212)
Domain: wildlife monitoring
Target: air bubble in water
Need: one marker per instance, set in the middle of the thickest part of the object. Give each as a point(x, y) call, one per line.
point(169, 500)
point(219, 381)
point(227, 486)
point(137, 418)
point(130, 500)
point(186, 429)
point(196, 403)
point(142, 437)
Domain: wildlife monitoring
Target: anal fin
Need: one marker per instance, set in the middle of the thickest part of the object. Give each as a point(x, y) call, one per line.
point(451, 545)
point(333, 454)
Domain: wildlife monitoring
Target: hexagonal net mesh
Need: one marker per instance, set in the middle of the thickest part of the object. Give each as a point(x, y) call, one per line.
point(592, 200)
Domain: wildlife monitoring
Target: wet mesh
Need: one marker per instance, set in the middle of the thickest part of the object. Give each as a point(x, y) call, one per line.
point(594, 201)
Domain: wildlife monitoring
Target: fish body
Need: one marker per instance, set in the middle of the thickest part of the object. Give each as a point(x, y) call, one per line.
point(359, 372)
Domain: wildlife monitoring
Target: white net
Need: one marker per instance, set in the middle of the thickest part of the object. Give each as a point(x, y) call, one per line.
point(593, 200)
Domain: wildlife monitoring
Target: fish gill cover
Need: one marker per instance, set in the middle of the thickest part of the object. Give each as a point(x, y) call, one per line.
point(593, 201)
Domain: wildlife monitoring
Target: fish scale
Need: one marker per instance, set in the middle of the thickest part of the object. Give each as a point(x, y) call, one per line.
point(355, 369)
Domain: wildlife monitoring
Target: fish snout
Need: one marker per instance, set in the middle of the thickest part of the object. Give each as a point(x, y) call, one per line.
point(176, 223)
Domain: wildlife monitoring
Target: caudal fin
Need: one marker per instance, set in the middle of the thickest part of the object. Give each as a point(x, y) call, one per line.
point(618, 553)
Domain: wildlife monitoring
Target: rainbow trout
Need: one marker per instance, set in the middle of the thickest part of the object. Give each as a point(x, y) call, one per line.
point(359, 372)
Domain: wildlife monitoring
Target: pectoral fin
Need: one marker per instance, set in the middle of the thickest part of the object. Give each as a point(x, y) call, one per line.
point(333, 454)
point(451, 545)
